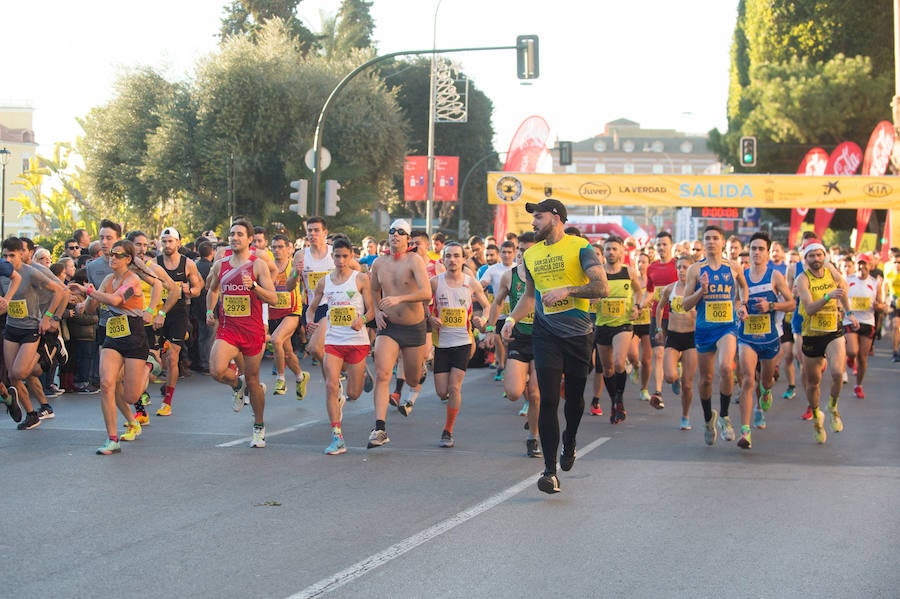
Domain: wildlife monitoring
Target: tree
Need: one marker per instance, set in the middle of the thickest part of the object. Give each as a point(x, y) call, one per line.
point(246, 18)
point(806, 73)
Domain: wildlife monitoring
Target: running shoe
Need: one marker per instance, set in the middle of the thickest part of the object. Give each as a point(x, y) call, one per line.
point(446, 439)
point(837, 424)
point(533, 448)
point(142, 418)
point(711, 434)
point(337, 446)
point(656, 401)
point(109, 448)
point(499, 376)
point(259, 436)
point(685, 424)
point(280, 387)
point(377, 438)
point(725, 428)
point(858, 392)
point(744, 442)
point(45, 412)
point(819, 426)
point(32, 420)
point(369, 381)
point(164, 410)
point(144, 399)
point(807, 415)
point(765, 400)
point(132, 431)
point(567, 456)
point(791, 393)
point(619, 414)
point(524, 410)
point(634, 373)
point(548, 483)
point(302, 380)
point(645, 395)
point(844, 377)
point(238, 404)
point(53, 391)
point(394, 400)
point(12, 407)
point(596, 410)
point(759, 419)
point(406, 409)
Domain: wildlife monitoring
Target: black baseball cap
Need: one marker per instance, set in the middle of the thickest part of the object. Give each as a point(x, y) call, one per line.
point(549, 205)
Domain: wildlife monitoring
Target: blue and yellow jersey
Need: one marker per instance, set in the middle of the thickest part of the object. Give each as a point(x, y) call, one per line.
point(561, 264)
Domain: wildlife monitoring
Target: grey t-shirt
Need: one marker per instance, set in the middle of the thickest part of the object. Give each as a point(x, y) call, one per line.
point(97, 270)
point(24, 310)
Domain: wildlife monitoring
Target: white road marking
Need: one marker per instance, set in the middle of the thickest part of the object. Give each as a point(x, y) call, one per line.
point(363, 567)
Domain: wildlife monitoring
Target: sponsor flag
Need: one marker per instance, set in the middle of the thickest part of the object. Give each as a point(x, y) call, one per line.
point(525, 149)
point(845, 159)
point(415, 178)
point(446, 175)
point(813, 163)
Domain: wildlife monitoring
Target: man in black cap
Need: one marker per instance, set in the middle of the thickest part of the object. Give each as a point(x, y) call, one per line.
point(562, 275)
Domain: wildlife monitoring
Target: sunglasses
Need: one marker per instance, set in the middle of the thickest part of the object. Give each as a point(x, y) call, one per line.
point(71, 247)
point(394, 231)
point(118, 254)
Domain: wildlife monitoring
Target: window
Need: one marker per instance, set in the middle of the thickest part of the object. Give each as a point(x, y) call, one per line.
point(628, 146)
point(600, 168)
point(687, 169)
point(629, 168)
point(658, 169)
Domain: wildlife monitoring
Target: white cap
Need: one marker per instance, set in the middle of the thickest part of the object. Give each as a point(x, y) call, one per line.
point(170, 232)
point(403, 225)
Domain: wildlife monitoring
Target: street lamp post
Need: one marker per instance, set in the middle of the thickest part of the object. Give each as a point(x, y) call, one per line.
point(4, 158)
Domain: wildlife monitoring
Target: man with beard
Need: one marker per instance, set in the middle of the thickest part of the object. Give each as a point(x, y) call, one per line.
point(562, 274)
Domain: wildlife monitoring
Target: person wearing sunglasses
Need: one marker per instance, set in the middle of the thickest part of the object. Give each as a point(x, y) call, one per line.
point(399, 288)
point(72, 249)
point(123, 355)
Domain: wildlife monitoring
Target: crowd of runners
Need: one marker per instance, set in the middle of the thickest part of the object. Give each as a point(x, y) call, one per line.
point(548, 309)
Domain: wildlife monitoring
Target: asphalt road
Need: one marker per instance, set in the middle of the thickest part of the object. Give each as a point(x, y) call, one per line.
point(189, 510)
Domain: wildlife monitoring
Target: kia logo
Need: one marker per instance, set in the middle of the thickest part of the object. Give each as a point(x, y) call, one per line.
point(877, 190)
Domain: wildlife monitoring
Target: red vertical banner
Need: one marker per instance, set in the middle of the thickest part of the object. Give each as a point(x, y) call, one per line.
point(446, 178)
point(525, 149)
point(862, 223)
point(844, 160)
point(798, 215)
point(822, 220)
point(415, 178)
point(878, 151)
point(813, 163)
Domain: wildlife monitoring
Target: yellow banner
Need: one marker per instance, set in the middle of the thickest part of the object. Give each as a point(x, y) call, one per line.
point(757, 191)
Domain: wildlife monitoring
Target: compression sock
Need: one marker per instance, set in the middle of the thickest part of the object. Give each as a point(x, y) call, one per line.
point(452, 413)
point(706, 404)
point(724, 402)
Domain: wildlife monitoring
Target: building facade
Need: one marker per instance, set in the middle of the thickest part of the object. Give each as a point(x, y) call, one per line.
point(17, 136)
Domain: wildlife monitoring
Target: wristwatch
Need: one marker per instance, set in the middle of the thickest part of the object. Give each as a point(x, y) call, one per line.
point(56, 318)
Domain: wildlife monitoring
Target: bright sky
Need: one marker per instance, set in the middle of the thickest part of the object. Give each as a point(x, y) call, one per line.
point(663, 64)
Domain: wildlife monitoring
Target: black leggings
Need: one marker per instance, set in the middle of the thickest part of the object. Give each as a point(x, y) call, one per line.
point(548, 421)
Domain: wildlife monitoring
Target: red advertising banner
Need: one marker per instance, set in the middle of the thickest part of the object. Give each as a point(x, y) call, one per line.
point(415, 178)
point(526, 147)
point(862, 223)
point(845, 159)
point(813, 163)
point(822, 220)
point(878, 151)
point(446, 178)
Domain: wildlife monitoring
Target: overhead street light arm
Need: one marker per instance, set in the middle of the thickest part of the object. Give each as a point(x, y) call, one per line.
point(317, 139)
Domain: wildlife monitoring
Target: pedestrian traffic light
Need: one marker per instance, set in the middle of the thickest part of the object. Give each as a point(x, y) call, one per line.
point(299, 196)
point(565, 153)
point(748, 151)
point(331, 197)
point(528, 63)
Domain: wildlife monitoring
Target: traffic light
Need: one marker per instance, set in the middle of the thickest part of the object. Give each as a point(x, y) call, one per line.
point(331, 197)
point(748, 151)
point(528, 63)
point(299, 196)
point(565, 153)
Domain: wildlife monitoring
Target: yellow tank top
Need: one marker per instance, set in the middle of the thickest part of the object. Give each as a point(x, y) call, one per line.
point(827, 320)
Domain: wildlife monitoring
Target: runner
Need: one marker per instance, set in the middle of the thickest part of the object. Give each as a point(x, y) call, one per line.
point(314, 262)
point(25, 323)
point(177, 320)
point(892, 291)
point(562, 274)
point(399, 287)
point(659, 274)
point(615, 314)
point(244, 283)
point(490, 281)
point(716, 284)
point(284, 317)
point(758, 338)
point(641, 351)
point(865, 300)
point(9, 282)
point(678, 332)
point(452, 321)
point(123, 358)
point(347, 293)
point(821, 291)
point(520, 379)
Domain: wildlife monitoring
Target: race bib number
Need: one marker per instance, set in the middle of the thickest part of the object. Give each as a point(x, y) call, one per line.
point(860, 303)
point(341, 316)
point(453, 317)
point(236, 305)
point(644, 317)
point(528, 319)
point(719, 312)
point(117, 327)
point(657, 293)
point(284, 299)
point(560, 305)
point(17, 309)
point(612, 307)
point(824, 321)
point(504, 308)
point(758, 324)
point(677, 303)
point(314, 278)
